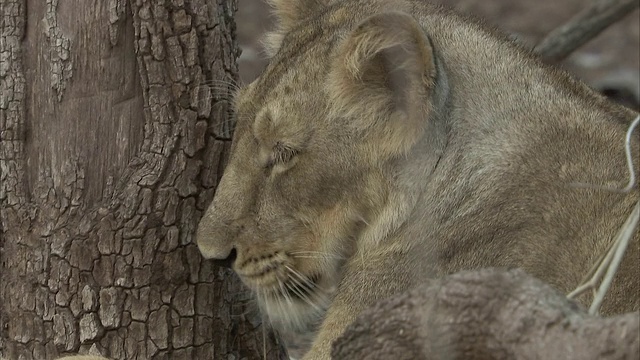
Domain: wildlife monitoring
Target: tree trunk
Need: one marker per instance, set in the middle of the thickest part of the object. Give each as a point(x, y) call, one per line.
point(111, 145)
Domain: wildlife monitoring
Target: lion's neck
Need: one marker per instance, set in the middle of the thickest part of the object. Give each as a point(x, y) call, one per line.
point(411, 173)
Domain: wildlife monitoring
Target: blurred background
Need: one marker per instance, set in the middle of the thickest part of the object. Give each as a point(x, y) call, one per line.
point(609, 63)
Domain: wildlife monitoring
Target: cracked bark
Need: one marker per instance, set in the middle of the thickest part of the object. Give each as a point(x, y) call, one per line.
point(108, 157)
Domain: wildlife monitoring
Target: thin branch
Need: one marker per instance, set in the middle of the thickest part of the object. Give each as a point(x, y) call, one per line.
point(627, 152)
point(596, 273)
point(609, 264)
point(629, 156)
point(622, 241)
point(613, 257)
point(583, 27)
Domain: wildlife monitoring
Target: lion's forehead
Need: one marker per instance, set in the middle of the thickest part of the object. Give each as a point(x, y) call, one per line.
point(298, 70)
point(302, 78)
point(294, 101)
point(292, 89)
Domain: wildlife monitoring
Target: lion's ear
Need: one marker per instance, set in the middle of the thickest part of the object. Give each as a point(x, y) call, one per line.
point(288, 14)
point(382, 78)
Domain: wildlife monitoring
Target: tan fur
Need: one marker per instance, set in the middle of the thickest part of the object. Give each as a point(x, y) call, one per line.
point(390, 141)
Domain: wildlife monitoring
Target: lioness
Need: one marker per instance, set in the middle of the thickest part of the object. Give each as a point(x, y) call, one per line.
point(389, 141)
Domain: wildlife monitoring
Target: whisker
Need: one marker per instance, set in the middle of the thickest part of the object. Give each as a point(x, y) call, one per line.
point(300, 285)
point(207, 92)
point(266, 296)
point(300, 276)
point(362, 219)
point(296, 289)
point(232, 82)
point(320, 257)
point(220, 83)
point(249, 307)
point(285, 293)
point(307, 283)
point(224, 129)
point(302, 295)
point(218, 92)
point(264, 342)
point(217, 95)
point(316, 252)
point(316, 255)
point(281, 306)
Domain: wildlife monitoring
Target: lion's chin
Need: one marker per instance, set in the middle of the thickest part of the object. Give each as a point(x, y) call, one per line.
point(287, 312)
point(296, 301)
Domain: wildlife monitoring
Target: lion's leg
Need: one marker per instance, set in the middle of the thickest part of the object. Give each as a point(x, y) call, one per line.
point(368, 278)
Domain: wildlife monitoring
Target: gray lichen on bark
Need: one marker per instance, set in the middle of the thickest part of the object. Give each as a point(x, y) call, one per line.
point(59, 50)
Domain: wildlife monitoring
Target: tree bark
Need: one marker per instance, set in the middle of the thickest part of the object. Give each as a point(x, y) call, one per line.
point(111, 145)
point(487, 314)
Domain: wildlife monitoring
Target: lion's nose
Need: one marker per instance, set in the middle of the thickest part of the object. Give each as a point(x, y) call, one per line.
point(214, 240)
point(228, 262)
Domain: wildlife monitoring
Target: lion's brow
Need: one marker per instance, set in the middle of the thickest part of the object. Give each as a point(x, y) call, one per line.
point(282, 62)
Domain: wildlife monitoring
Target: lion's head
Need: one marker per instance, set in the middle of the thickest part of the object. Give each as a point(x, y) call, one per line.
point(315, 159)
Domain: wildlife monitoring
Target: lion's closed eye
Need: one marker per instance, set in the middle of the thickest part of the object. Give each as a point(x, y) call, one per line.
point(281, 158)
point(283, 153)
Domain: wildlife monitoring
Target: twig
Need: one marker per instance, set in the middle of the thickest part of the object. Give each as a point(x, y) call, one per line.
point(610, 263)
point(628, 153)
point(621, 243)
point(595, 274)
point(613, 257)
point(590, 22)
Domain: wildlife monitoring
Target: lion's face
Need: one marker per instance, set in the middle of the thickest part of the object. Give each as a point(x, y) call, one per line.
point(309, 165)
point(293, 194)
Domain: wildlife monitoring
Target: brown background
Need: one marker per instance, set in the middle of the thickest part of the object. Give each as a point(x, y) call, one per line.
point(610, 60)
